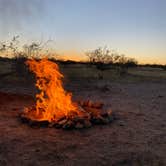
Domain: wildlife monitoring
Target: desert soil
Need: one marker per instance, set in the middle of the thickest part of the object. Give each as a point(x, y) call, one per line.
point(136, 137)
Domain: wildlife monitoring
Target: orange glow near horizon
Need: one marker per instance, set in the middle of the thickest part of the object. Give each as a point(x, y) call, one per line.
point(76, 55)
point(73, 55)
point(80, 56)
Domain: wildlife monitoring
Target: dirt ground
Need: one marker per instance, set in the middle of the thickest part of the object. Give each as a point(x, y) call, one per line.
point(137, 137)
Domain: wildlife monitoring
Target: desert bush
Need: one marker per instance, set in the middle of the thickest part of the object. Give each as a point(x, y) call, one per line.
point(104, 58)
point(98, 57)
point(13, 49)
point(131, 62)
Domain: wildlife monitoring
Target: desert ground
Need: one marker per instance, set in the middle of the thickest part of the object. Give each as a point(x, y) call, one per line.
point(136, 137)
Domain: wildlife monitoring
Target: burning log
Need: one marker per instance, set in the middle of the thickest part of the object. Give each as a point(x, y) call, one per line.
point(89, 117)
point(54, 106)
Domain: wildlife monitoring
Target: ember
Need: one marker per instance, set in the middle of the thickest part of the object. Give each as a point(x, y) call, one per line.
point(54, 106)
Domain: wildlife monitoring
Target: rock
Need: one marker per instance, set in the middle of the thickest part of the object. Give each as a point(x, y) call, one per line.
point(79, 125)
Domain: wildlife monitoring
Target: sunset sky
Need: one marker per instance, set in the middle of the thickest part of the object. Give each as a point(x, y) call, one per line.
point(136, 28)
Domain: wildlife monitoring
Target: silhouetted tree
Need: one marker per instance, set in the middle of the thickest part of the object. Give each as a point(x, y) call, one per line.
point(101, 57)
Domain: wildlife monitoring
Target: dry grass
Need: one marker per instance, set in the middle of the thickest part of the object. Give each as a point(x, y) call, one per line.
point(137, 137)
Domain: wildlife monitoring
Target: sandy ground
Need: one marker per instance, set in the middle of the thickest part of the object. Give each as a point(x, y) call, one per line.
point(137, 137)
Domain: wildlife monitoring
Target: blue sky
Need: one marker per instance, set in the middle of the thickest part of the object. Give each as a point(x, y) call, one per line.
point(136, 28)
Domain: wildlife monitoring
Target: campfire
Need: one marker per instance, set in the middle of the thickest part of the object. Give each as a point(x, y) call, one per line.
point(54, 106)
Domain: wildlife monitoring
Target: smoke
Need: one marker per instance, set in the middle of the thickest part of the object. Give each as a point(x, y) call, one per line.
point(16, 14)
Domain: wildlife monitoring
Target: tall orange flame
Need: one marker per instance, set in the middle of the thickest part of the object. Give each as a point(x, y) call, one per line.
point(53, 101)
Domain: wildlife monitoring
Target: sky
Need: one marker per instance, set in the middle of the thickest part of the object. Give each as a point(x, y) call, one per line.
point(136, 28)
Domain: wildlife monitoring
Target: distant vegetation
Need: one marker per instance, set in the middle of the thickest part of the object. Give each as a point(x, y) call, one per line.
point(101, 58)
point(104, 58)
point(19, 53)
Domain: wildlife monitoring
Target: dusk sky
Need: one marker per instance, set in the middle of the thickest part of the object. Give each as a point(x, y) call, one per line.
point(136, 28)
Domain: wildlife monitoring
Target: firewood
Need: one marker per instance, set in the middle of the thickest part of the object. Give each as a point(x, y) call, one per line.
point(87, 115)
point(93, 111)
point(62, 122)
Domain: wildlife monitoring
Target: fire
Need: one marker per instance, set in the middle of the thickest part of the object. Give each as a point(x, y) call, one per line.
point(52, 102)
point(55, 106)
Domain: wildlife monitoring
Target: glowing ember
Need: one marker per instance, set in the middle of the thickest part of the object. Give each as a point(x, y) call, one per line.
point(55, 106)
